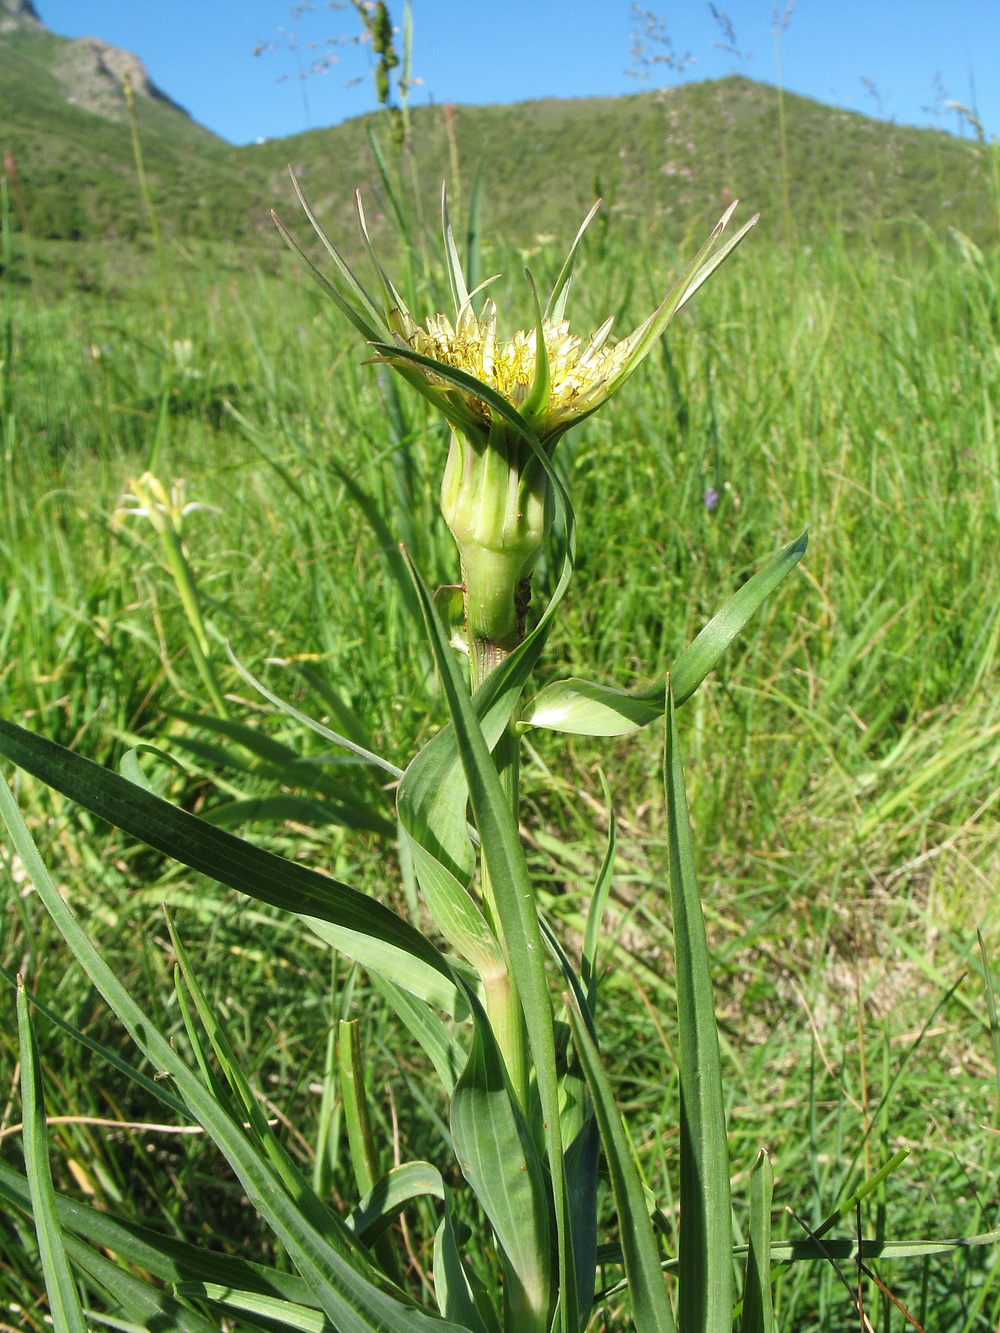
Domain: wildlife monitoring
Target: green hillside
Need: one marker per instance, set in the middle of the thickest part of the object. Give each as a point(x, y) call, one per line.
point(76, 166)
point(677, 155)
point(673, 156)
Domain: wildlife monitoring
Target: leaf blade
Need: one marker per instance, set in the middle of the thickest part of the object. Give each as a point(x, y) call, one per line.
point(758, 1308)
point(650, 1304)
point(227, 859)
point(587, 708)
point(60, 1288)
point(343, 1283)
point(704, 1302)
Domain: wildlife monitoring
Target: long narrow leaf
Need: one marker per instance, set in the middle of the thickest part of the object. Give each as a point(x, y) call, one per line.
point(64, 1299)
point(321, 1217)
point(647, 1290)
point(447, 898)
point(354, 746)
point(583, 1162)
point(230, 860)
point(645, 337)
point(276, 1314)
point(154, 1088)
point(436, 1040)
point(758, 1310)
point(158, 1310)
point(809, 1250)
point(698, 660)
point(170, 1260)
point(595, 912)
point(345, 1287)
point(705, 1293)
point(586, 708)
point(452, 1283)
point(498, 1159)
point(362, 311)
point(389, 1196)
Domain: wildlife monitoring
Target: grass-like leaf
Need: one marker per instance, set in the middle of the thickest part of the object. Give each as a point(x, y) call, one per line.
point(453, 1283)
point(705, 1290)
point(435, 1038)
point(171, 1260)
point(390, 1194)
point(498, 1159)
point(349, 743)
point(360, 921)
point(586, 708)
point(758, 1308)
point(647, 1290)
point(595, 912)
point(159, 1311)
point(346, 1288)
point(319, 1214)
point(60, 1287)
point(275, 1314)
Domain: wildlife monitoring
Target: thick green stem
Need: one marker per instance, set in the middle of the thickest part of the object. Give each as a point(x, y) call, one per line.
point(503, 1003)
point(497, 506)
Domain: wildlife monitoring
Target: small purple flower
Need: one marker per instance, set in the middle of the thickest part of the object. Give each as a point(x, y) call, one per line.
point(710, 498)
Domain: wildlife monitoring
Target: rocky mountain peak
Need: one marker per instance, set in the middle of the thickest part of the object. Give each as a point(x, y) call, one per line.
point(16, 14)
point(93, 74)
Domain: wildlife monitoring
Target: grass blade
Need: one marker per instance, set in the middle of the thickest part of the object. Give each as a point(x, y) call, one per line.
point(343, 1284)
point(354, 746)
point(64, 1299)
point(647, 1290)
point(758, 1310)
point(170, 1260)
point(229, 860)
point(595, 912)
point(991, 1010)
point(277, 1314)
point(321, 1217)
point(705, 1278)
point(157, 1309)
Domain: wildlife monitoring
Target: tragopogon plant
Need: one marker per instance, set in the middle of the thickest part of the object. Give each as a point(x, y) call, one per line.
point(509, 1022)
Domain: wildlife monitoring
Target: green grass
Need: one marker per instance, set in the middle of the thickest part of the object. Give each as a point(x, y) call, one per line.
point(841, 763)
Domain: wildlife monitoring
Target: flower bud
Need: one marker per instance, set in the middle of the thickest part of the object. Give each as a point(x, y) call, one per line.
point(496, 504)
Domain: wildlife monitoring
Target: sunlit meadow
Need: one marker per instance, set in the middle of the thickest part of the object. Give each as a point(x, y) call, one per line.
point(841, 760)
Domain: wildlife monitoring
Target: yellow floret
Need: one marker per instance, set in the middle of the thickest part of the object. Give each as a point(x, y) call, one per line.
point(579, 373)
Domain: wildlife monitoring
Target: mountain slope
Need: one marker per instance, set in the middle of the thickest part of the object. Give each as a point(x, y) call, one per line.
point(673, 157)
point(64, 121)
point(677, 156)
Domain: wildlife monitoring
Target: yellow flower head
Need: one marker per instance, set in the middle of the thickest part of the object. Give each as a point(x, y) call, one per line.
point(552, 378)
point(579, 374)
point(508, 401)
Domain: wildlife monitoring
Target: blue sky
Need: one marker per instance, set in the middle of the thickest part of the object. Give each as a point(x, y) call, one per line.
point(902, 59)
